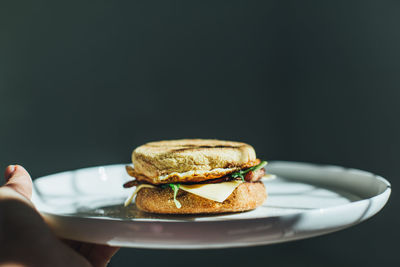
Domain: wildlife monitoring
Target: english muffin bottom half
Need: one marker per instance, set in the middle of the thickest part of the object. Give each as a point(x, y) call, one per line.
point(247, 196)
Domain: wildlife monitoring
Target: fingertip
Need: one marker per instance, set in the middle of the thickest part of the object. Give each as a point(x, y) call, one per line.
point(100, 255)
point(9, 172)
point(20, 181)
point(19, 170)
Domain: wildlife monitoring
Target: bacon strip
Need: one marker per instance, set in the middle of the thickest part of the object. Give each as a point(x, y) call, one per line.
point(131, 183)
point(252, 176)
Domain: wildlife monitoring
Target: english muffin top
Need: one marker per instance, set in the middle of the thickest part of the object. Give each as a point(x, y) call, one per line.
point(195, 157)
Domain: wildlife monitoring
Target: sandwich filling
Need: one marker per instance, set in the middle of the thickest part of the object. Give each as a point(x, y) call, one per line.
point(216, 189)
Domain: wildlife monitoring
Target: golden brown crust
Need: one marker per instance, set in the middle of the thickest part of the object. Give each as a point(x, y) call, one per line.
point(246, 196)
point(161, 158)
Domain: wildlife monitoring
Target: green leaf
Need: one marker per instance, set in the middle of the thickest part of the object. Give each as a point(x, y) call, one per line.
point(175, 187)
point(257, 167)
point(241, 173)
point(237, 174)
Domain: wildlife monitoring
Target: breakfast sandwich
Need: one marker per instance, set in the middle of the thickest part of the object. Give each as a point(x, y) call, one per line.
point(196, 176)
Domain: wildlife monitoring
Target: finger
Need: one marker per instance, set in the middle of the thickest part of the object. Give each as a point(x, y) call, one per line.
point(75, 245)
point(18, 179)
point(97, 255)
point(9, 171)
point(82, 248)
point(100, 255)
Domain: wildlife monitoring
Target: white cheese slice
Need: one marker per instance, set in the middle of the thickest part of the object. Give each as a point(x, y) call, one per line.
point(217, 192)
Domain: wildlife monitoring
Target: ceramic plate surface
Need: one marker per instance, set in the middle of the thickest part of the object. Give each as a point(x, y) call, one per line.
point(304, 200)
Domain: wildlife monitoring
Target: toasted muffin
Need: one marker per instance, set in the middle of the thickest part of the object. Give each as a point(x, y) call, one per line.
point(190, 160)
point(246, 196)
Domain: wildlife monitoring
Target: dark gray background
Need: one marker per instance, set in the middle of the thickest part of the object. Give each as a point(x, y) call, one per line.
point(82, 84)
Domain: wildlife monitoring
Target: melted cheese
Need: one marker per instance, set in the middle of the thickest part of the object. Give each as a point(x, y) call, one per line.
point(217, 192)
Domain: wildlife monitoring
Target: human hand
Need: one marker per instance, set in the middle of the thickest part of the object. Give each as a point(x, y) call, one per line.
point(26, 240)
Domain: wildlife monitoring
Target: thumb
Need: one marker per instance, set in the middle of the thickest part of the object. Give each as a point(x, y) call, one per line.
point(18, 179)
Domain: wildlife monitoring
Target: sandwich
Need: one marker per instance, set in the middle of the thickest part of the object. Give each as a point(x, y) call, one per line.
point(196, 176)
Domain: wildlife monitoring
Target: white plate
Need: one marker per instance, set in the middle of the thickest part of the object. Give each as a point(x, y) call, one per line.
point(304, 201)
